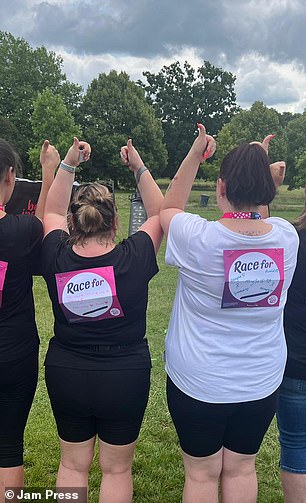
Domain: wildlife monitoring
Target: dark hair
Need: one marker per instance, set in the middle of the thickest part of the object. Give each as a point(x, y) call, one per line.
point(8, 158)
point(246, 171)
point(92, 213)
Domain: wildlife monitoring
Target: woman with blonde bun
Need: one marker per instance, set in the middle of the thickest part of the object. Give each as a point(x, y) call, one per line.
point(98, 362)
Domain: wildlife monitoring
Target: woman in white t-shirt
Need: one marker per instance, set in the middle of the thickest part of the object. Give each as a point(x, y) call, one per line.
point(225, 345)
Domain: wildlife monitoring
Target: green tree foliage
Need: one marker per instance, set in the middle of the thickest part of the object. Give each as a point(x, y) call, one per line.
point(296, 141)
point(11, 134)
point(50, 121)
point(183, 96)
point(286, 117)
point(225, 143)
point(115, 109)
point(300, 173)
point(25, 72)
point(253, 125)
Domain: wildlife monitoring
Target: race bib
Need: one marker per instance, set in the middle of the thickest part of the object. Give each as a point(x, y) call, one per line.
point(3, 268)
point(253, 278)
point(88, 295)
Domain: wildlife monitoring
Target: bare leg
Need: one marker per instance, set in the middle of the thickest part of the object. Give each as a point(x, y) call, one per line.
point(238, 478)
point(116, 465)
point(294, 487)
point(76, 459)
point(10, 477)
point(201, 478)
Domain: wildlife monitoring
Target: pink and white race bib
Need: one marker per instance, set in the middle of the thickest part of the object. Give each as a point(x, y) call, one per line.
point(253, 278)
point(88, 295)
point(3, 268)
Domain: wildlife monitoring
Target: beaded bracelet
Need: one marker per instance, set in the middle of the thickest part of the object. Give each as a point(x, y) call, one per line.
point(139, 173)
point(66, 167)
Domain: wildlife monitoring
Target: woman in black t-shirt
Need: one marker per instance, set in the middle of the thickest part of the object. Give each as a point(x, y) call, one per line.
point(20, 244)
point(98, 362)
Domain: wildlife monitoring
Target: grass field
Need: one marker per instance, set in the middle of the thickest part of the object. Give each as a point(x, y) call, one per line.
point(158, 473)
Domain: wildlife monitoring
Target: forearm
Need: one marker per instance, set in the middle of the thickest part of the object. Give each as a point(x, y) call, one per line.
point(47, 180)
point(181, 184)
point(151, 194)
point(59, 195)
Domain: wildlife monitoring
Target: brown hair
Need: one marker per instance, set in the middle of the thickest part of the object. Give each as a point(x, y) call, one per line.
point(8, 158)
point(300, 223)
point(246, 171)
point(92, 214)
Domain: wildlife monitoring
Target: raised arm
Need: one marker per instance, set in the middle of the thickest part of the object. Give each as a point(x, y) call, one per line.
point(59, 195)
point(179, 189)
point(151, 194)
point(278, 170)
point(49, 160)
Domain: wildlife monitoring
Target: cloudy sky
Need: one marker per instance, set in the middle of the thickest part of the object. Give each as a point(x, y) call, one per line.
point(263, 42)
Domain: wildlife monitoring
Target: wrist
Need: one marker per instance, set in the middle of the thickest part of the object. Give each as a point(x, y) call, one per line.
point(67, 167)
point(139, 172)
point(70, 162)
point(195, 157)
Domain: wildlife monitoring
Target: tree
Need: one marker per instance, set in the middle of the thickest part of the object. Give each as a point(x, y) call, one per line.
point(183, 96)
point(296, 139)
point(50, 121)
point(287, 117)
point(300, 176)
point(25, 72)
point(253, 125)
point(11, 134)
point(115, 109)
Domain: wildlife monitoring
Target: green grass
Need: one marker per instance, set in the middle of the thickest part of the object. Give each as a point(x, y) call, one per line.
point(158, 473)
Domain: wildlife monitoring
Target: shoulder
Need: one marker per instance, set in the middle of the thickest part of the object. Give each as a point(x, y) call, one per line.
point(54, 241)
point(58, 236)
point(187, 223)
point(281, 223)
point(288, 230)
point(138, 242)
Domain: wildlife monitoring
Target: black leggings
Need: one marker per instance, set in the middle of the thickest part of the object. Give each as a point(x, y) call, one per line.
point(109, 403)
point(203, 428)
point(18, 380)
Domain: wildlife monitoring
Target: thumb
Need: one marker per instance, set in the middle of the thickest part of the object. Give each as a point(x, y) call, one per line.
point(201, 128)
point(266, 141)
point(76, 142)
point(45, 145)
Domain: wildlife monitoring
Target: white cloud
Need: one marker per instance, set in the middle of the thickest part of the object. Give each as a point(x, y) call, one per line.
point(83, 69)
point(282, 86)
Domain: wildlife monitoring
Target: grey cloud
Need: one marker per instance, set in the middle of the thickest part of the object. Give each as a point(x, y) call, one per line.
point(139, 28)
point(221, 31)
point(154, 27)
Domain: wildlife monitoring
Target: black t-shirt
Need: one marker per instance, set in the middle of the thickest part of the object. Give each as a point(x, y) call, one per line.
point(295, 316)
point(99, 337)
point(20, 245)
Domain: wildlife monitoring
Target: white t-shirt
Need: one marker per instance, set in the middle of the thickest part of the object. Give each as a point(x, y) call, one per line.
point(231, 353)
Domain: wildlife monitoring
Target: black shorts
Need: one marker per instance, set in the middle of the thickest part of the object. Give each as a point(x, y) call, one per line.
point(109, 403)
point(204, 428)
point(18, 380)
